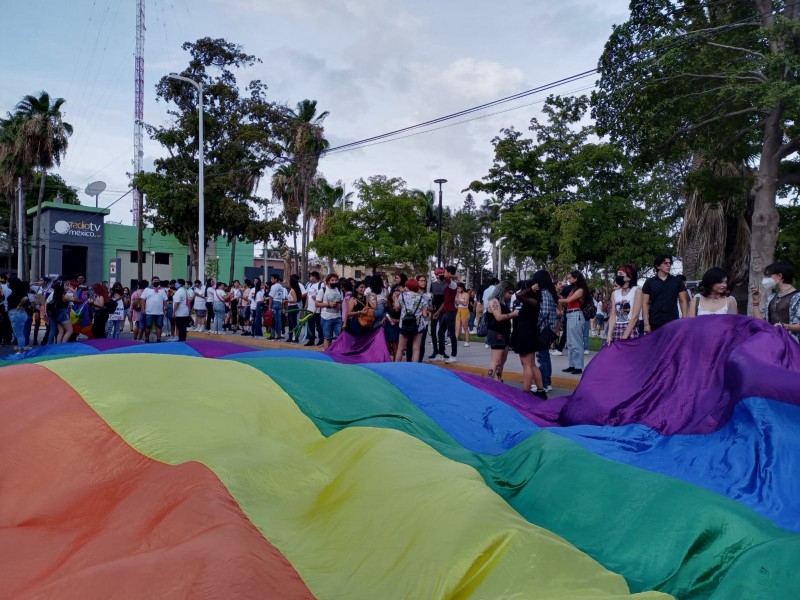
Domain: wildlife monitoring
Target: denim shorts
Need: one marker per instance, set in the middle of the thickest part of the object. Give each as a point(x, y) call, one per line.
point(200, 312)
point(157, 320)
point(62, 316)
point(331, 328)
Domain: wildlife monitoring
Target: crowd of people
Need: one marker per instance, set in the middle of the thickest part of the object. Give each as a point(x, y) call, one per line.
point(535, 318)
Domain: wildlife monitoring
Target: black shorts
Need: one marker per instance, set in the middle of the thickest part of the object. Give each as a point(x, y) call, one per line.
point(496, 340)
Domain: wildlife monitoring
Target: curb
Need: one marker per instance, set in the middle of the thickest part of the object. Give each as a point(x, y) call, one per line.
point(564, 383)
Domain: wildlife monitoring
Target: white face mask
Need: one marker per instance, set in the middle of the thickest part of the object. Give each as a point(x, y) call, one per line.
point(768, 283)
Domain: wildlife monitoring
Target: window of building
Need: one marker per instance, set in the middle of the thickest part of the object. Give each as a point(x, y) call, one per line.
point(162, 258)
point(135, 257)
point(358, 273)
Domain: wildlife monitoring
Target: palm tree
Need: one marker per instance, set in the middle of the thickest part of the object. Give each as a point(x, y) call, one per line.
point(43, 141)
point(306, 146)
point(13, 166)
point(324, 201)
point(285, 189)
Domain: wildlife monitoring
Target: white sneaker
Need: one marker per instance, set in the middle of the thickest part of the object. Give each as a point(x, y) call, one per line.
point(556, 353)
point(438, 358)
point(548, 388)
point(450, 360)
point(466, 344)
point(472, 331)
point(486, 346)
point(586, 352)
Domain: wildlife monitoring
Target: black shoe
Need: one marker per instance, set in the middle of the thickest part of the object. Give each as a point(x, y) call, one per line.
point(320, 343)
point(432, 356)
point(577, 371)
point(540, 394)
point(568, 370)
point(309, 343)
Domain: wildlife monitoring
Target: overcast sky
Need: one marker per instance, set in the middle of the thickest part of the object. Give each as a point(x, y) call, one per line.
point(375, 65)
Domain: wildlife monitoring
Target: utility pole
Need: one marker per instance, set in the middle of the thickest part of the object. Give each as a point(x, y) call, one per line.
point(439, 252)
point(22, 254)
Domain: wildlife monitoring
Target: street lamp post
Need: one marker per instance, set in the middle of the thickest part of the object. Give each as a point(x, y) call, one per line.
point(499, 242)
point(439, 253)
point(201, 221)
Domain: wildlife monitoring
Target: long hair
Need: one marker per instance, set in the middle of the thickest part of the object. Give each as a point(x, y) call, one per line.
point(580, 284)
point(545, 282)
point(294, 283)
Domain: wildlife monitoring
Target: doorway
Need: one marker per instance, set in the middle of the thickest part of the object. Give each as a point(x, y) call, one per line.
point(73, 261)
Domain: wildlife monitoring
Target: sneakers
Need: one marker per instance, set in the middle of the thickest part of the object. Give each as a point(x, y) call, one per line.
point(569, 370)
point(555, 352)
point(586, 352)
point(433, 356)
point(309, 343)
point(438, 358)
point(548, 388)
point(466, 344)
point(450, 360)
point(486, 346)
point(539, 394)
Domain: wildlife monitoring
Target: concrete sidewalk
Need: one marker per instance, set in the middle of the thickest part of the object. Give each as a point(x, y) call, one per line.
point(474, 359)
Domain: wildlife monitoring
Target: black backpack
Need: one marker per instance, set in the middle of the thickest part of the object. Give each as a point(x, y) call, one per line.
point(409, 323)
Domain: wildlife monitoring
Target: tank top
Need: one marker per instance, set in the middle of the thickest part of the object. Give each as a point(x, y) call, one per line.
point(703, 311)
point(503, 327)
point(623, 304)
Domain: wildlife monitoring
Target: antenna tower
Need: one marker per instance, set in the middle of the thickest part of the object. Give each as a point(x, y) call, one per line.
point(138, 147)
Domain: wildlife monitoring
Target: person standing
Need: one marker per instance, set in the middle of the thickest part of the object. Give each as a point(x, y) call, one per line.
point(437, 295)
point(578, 296)
point(180, 309)
point(543, 284)
point(782, 308)
point(155, 305)
point(626, 302)
point(412, 306)
point(498, 323)
point(257, 309)
point(329, 301)
point(277, 294)
point(199, 301)
point(447, 314)
point(315, 323)
point(661, 295)
point(713, 296)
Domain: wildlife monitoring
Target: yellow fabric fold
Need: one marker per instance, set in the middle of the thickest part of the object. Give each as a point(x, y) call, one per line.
point(365, 513)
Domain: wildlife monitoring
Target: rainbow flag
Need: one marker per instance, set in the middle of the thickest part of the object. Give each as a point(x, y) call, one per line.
point(210, 469)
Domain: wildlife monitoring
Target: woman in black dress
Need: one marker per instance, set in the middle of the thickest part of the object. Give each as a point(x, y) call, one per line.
point(525, 336)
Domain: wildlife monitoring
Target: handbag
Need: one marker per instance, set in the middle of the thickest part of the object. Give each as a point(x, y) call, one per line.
point(589, 310)
point(367, 317)
point(409, 323)
point(483, 327)
point(546, 338)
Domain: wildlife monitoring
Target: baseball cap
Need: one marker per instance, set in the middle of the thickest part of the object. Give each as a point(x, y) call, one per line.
point(439, 271)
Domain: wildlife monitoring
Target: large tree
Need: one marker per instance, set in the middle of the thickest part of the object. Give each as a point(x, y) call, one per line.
point(325, 201)
point(569, 200)
point(386, 229)
point(715, 79)
point(240, 142)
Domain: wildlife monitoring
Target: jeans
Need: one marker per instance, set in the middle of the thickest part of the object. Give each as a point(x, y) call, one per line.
point(258, 320)
point(19, 319)
point(471, 320)
point(448, 324)
point(575, 329)
point(113, 328)
point(277, 324)
point(545, 366)
point(219, 316)
point(587, 327)
point(435, 325)
point(291, 317)
point(600, 324)
point(332, 328)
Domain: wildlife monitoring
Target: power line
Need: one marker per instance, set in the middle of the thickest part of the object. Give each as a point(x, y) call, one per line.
point(539, 89)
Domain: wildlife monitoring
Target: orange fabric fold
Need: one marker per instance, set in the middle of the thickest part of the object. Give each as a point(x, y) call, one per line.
point(83, 515)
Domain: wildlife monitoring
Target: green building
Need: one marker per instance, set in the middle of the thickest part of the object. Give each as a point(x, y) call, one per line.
point(76, 239)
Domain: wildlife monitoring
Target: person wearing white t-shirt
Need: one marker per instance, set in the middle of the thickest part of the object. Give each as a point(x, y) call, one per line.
point(315, 324)
point(277, 294)
point(211, 287)
point(257, 308)
point(155, 304)
point(329, 301)
point(199, 305)
point(180, 309)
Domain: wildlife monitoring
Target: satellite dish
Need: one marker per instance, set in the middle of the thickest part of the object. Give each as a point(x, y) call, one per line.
point(96, 188)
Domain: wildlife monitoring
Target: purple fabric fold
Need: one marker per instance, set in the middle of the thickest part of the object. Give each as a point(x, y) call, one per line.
point(369, 348)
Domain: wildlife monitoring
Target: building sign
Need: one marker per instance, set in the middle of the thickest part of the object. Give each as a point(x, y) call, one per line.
point(78, 228)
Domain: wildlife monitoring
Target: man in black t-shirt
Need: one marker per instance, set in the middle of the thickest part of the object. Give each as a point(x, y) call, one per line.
point(661, 295)
point(437, 292)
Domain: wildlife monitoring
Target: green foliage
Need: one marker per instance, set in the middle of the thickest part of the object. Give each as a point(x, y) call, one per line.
point(789, 238)
point(568, 200)
point(240, 131)
point(386, 229)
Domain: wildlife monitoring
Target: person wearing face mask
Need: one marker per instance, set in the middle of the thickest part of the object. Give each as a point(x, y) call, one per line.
point(329, 301)
point(626, 302)
point(782, 307)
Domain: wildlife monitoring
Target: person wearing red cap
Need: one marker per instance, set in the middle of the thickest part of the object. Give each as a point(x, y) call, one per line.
point(447, 313)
